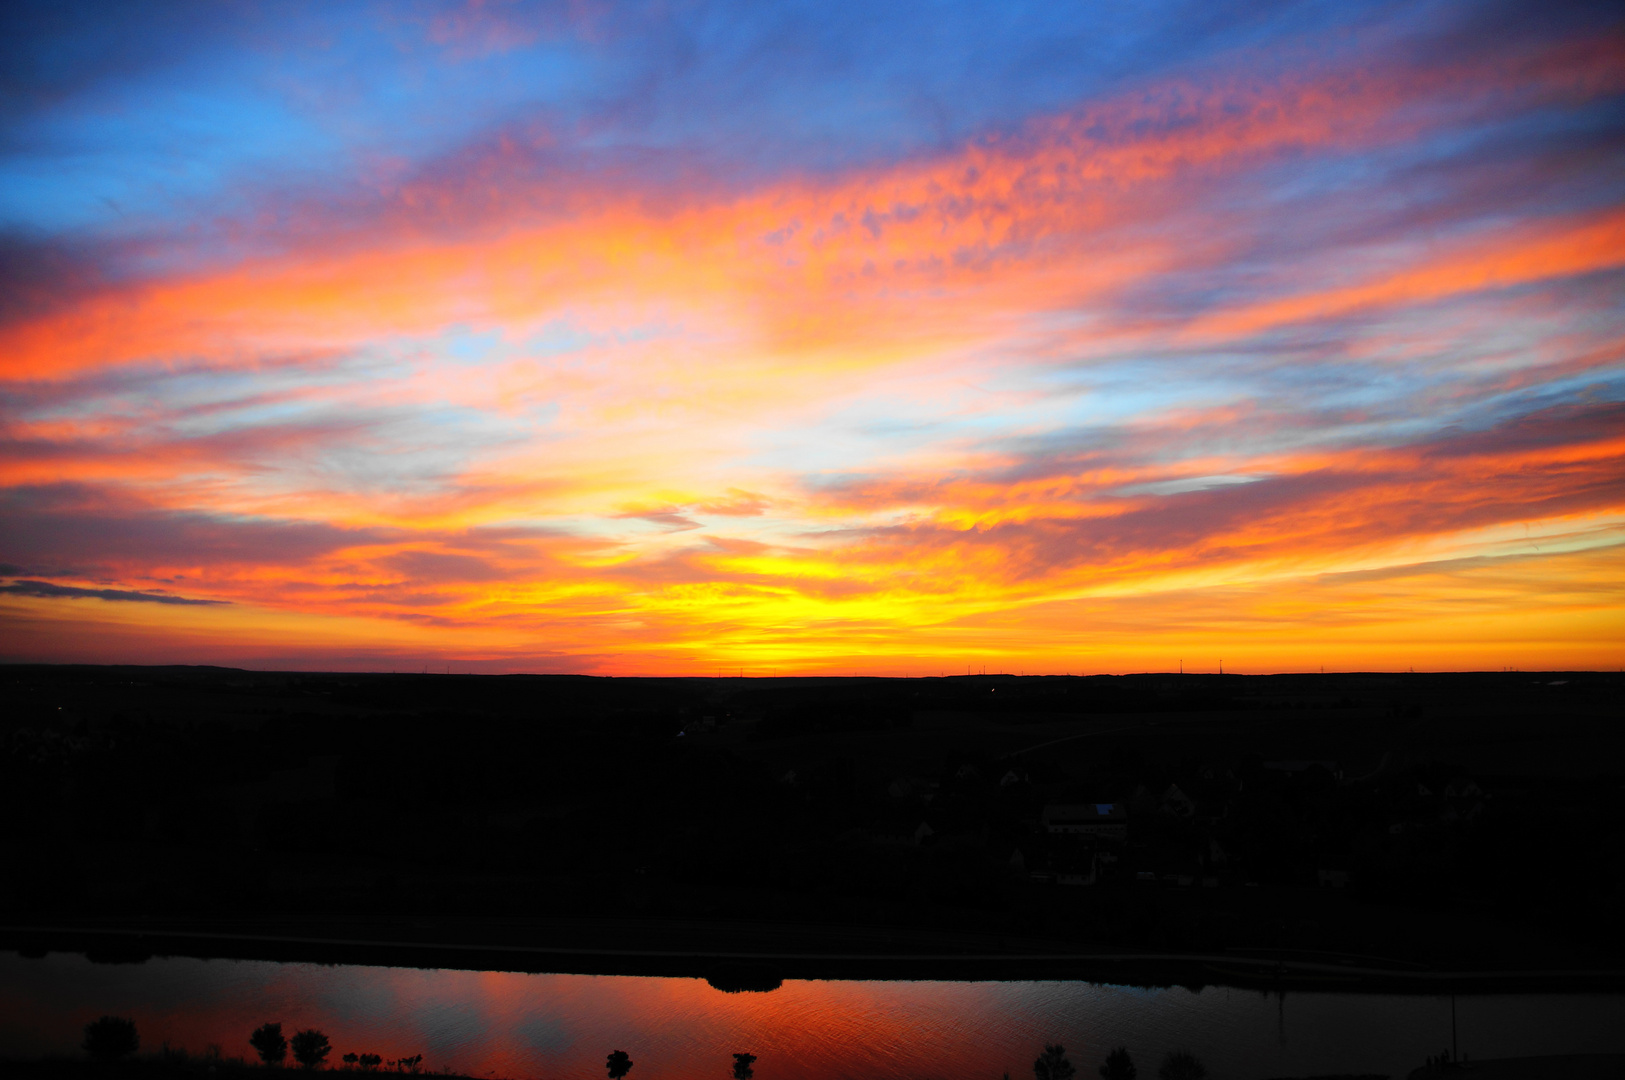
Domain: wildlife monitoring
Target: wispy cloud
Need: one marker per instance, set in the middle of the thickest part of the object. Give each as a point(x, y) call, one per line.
point(711, 333)
point(48, 591)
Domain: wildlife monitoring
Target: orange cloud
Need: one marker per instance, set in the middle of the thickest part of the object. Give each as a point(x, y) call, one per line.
point(713, 471)
point(873, 257)
point(1527, 255)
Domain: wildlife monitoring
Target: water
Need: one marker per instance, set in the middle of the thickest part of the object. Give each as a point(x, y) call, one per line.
point(545, 1026)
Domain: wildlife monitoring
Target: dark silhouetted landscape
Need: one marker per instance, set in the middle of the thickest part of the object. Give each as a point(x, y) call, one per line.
point(1370, 830)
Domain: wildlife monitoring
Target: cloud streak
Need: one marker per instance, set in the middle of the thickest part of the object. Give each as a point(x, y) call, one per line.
point(825, 373)
point(48, 591)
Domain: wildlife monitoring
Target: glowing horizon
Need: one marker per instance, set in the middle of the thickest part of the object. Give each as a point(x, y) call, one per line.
point(641, 341)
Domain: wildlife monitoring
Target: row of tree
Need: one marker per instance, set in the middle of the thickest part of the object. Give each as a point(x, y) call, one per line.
point(1052, 1064)
point(619, 1063)
point(113, 1037)
point(310, 1047)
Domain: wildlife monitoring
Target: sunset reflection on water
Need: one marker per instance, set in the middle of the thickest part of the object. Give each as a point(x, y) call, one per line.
point(523, 1025)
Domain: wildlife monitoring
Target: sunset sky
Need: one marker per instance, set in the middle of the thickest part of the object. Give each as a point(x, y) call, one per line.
point(888, 338)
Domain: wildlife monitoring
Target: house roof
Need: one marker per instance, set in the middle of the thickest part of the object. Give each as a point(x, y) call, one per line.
point(1084, 812)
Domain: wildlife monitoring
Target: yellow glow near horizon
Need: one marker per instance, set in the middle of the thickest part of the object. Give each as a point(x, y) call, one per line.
point(1210, 365)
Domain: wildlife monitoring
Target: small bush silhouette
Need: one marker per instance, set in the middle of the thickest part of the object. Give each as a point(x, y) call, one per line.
point(370, 1062)
point(619, 1064)
point(1052, 1064)
point(310, 1047)
point(269, 1044)
point(742, 1066)
point(1181, 1065)
point(111, 1038)
point(1118, 1066)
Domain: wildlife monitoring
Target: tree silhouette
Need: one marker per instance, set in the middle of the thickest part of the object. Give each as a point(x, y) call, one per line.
point(1118, 1066)
point(310, 1047)
point(742, 1064)
point(1181, 1065)
point(1052, 1064)
point(110, 1038)
point(619, 1064)
point(269, 1044)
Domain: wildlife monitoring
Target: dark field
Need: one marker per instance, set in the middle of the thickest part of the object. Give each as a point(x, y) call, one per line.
point(1410, 823)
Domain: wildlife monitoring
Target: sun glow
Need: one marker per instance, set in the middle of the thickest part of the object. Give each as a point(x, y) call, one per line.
point(1281, 361)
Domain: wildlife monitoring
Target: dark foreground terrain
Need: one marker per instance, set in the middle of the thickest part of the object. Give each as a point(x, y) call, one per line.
point(1568, 1067)
point(1288, 825)
point(181, 1067)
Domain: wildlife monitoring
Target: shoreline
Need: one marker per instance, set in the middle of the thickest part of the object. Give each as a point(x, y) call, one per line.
point(710, 958)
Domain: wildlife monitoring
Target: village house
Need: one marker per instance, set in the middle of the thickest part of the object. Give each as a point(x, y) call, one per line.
point(1108, 821)
point(913, 787)
point(1332, 879)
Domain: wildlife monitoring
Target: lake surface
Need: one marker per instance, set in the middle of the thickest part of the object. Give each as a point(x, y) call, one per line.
point(544, 1026)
